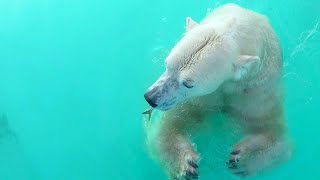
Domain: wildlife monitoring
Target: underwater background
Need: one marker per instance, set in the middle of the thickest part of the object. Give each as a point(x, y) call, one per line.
point(73, 74)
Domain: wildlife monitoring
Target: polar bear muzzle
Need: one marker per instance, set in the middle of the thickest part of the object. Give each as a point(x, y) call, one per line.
point(150, 99)
point(163, 94)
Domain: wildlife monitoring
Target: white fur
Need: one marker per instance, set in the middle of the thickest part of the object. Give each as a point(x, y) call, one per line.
point(233, 59)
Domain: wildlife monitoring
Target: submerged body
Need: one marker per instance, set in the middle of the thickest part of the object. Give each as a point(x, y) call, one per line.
point(232, 63)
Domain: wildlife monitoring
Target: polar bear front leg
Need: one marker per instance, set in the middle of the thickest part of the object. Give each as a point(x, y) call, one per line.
point(179, 158)
point(257, 152)
point(245, 151)
point(172, 144)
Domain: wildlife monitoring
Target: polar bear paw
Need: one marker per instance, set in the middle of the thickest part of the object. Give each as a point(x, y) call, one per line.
point(237, 163)
point(187, 166)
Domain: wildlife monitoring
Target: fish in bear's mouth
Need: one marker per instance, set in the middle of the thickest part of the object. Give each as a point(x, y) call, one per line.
point(148, 112)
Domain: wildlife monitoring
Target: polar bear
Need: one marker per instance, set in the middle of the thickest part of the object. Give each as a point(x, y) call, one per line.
point(230, 63)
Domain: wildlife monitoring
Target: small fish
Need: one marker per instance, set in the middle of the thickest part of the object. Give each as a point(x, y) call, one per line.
point(149, 112)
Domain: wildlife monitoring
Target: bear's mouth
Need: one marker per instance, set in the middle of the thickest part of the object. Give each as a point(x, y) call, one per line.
point(150, 110)
point(166, 106)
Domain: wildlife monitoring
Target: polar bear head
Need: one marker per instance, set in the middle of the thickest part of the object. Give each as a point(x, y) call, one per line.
point(200, 62)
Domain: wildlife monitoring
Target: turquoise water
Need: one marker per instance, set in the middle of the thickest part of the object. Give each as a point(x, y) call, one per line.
point(73, 74)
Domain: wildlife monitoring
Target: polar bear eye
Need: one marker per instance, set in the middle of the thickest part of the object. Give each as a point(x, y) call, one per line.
point(188, 83)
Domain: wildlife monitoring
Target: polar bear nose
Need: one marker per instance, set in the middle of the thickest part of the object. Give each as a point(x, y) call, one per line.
point(150, 100)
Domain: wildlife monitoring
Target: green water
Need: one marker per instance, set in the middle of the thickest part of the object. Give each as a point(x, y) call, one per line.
point(73, 74)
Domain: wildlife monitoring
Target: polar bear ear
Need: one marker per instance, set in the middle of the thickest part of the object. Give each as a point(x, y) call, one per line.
point(190, 23)
point(244, 65)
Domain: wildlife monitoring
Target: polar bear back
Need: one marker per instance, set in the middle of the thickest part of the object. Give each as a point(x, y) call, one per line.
point(252, 32)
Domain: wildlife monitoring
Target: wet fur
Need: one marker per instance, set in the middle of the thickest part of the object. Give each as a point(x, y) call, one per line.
point(255, 102)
